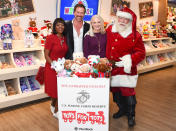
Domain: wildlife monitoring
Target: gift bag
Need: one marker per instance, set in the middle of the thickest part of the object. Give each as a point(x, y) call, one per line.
point(40, 75)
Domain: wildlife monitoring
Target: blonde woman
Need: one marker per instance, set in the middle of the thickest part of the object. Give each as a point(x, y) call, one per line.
point(94, 42)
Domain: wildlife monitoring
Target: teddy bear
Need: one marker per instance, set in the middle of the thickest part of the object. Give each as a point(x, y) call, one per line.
point(74, 68)
point(18, 32)
point(10, 90)
point(77, 55)
point(84, 71)
point(33, 27)
point(101, 70)
point(67, 66)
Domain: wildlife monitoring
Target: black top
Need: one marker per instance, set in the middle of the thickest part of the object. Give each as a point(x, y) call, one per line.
point(69, 36)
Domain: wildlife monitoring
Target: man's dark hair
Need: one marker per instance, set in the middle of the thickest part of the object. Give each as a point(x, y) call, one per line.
point(58, 20)
point(80, 5)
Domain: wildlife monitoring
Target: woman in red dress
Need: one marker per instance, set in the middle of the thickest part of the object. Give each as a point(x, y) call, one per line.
point(55, 47)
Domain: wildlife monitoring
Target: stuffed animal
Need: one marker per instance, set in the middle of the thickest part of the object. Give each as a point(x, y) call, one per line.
point(32, 84)
point(67, 67)
point(23, 85)
point(33, 27)
point(101, 70)
point(29, 39)
point(58, 66)
point(77, 55)
point(18, 32)
point(74, 68)
point(11, 90)
point(49, 26)
point(93, 59)
point(7, 36)
point(84, 71)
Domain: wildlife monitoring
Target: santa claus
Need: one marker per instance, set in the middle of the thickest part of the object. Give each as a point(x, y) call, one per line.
point(126, 49)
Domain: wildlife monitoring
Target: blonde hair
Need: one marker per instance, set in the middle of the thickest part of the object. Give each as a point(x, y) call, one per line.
point(102, 31)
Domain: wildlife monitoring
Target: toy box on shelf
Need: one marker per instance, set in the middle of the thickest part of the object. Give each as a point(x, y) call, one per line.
point(20, 62)
point(160, 52)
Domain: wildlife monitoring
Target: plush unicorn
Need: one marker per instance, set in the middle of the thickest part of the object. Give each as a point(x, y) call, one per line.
point(6, 36)
point(58, 66)
point(29, 38)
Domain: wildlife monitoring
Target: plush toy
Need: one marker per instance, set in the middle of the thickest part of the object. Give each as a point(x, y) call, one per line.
point(58, 66)
point(10, 90)
point(6, 36)
point(77, 55)
point(3, 91)
point(93, 59)
point(49, 26)
point(17, 61)
point(29, 39)
point(45, 31)
point(67, 67)
point(84, 71)
point(23, 85)
point(101, 70)
point(18, 32)
point(33, 27)
point(22, 59)
point(32, 84)
point(81, 60)
point(74, 68)
point(43, 34)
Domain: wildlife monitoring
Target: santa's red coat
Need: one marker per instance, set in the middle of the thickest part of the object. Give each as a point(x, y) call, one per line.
point(117, 47)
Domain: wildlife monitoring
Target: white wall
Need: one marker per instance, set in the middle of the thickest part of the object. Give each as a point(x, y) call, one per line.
point(134, 5)
point(44, 10)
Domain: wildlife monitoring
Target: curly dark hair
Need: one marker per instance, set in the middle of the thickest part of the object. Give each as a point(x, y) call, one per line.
point(80, 5)
point(58, 20)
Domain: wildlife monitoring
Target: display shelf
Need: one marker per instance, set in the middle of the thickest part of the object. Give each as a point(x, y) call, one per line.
point(155, 66)
point(16, 72)
point(22, 98)
point(155, 48)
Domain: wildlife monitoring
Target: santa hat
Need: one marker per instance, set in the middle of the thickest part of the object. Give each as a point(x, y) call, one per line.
point(47, 21)
point(44, 27)
point(127, 13)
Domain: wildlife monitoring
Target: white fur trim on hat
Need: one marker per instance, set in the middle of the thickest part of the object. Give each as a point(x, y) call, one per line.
point(124, 14)
point(124, 81)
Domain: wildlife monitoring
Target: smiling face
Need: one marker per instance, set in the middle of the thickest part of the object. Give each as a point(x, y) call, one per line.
point(96, 25)
point(60, 28)
point(123, 23)
point(79, 14)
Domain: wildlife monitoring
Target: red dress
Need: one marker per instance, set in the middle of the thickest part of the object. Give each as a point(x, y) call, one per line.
point(57, 50)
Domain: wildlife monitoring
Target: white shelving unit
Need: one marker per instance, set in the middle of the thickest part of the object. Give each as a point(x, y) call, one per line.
point(15, 73)
point(168, 51)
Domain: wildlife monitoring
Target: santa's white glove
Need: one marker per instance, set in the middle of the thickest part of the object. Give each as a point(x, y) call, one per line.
point(125, 62)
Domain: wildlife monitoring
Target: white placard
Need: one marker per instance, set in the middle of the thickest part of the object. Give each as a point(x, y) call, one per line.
point(83, 104)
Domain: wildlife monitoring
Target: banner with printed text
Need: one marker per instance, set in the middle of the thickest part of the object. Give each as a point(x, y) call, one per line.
point(67, 8)
point(83, 104)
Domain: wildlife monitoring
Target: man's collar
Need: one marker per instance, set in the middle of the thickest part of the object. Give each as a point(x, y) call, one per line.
point(73, 20)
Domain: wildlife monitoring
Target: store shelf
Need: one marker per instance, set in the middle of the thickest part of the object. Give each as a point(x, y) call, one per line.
point(152, 67)
point(11, 73)
point(154, 53)
point(22, 98)
point(163, 38)
point(160, 50)
point(17, 71)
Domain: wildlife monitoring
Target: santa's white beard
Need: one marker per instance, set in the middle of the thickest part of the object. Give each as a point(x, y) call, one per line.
point(124, 29)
